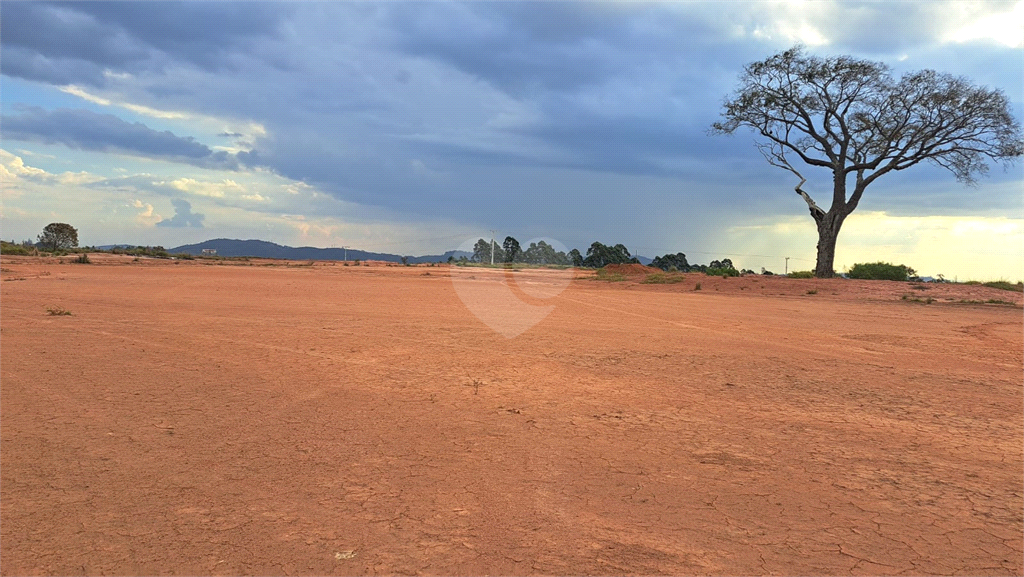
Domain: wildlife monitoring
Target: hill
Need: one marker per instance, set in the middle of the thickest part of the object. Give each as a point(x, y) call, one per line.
point(263, 249)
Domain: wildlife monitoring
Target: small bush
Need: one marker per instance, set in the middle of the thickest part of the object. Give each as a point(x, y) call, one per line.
point(83, 259)
point(812, 292)
point(697, 288)
point(801, 274)
point(58, 311)
point(723, 272)
point(881, 271)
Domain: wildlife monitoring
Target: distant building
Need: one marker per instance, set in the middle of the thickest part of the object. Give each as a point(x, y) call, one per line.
point(209, 252)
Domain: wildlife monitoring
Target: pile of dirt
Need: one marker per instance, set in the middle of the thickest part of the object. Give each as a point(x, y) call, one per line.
point(631, 269)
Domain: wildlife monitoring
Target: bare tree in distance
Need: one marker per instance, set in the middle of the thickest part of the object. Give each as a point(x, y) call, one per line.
point(853, 118)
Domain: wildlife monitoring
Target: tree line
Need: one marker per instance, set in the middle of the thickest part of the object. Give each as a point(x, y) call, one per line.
point(599, 255)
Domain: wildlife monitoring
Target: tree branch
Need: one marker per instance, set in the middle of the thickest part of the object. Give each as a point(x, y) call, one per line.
point(816, 213)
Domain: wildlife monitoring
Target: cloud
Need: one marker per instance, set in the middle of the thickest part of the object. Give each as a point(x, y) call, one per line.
point(13, 167)
point(183, 216)
point(86, 130)
point(90, 43)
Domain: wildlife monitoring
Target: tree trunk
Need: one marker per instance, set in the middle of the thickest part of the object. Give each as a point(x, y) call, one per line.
point(828, 233)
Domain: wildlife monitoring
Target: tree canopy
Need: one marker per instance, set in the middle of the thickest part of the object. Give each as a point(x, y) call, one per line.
point(599, 255)
point(482, 252)
point(855, 119)
point(512, 249)
point(59, 236)
point(670, 261)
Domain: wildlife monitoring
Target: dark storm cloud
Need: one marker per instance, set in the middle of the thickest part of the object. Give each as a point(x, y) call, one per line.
point(183, 216)
point(417, 107)
point(527, 48)
point(87, 130)
point(64, 43)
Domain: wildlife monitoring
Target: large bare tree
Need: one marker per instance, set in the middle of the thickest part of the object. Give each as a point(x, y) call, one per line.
point(853, 118)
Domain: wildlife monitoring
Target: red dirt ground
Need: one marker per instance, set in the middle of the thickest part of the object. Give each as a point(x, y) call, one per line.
point(225, 417)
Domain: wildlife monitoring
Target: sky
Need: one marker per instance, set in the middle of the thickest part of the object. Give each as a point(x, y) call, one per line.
point(411, 127)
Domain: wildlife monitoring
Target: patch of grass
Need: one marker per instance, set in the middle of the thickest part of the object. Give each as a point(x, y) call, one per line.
point(801, 274)
point(926, 301)
point(1005, 285)
point(605, 275)
point(83, 259)
point(812, 292)
point(663, 278)
point(986, 302)
point(697, 288)
point(58, 311)
point(920, 287)
point(974, 282)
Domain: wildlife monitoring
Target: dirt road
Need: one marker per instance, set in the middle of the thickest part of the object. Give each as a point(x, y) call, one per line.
point(274, 418)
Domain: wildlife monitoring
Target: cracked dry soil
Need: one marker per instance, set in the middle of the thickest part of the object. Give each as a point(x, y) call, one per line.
point(199, 419)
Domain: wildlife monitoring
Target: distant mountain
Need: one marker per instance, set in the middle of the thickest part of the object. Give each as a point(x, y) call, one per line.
point(263, 249)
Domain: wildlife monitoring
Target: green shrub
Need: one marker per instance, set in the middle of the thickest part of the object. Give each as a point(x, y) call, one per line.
point(723, 272)
point(14, 249)
point(881, 271)
point(801, 274)
point(83, 259)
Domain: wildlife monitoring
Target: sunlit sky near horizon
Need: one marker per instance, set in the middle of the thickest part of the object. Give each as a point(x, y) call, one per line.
point(410, 127)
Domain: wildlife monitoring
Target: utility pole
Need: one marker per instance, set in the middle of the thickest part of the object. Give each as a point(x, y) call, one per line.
point(787, 265)
point(346, 253)
point(493, 232)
